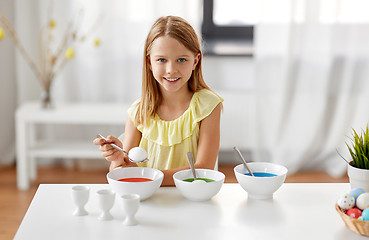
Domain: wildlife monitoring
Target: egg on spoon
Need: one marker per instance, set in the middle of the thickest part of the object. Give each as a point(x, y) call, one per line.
point(137, 154)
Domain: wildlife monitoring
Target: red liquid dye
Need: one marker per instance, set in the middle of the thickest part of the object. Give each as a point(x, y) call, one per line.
point(135, 179)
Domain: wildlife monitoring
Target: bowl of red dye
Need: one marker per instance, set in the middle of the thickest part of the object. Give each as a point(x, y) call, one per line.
point(139, 180)
point(207, 186)
point(267, 179)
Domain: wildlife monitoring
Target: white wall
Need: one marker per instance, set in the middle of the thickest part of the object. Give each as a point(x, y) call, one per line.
point(229, 73)
point(233, 79)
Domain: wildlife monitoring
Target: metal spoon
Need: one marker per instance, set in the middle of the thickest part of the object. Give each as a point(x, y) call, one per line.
point(243, 160)
point(121, 149)
point(192, 164)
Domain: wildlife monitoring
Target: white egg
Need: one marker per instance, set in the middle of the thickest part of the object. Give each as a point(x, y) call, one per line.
point(362, 201)
point(198, 181)
point(137, 154)
point(346, 201)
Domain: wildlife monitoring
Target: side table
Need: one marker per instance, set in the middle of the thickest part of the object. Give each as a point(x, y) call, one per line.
point(31, 114)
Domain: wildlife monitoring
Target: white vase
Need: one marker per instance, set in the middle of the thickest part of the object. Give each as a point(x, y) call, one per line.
point(359, 178)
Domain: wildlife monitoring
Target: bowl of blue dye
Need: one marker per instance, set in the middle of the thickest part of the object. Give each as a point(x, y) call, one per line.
point(267, 179)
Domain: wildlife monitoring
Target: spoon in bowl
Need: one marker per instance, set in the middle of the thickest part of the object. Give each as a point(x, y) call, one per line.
point(135, 158)
point(243, 160)
point(192, 166)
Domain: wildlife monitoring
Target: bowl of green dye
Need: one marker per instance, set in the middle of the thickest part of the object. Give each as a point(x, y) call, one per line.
point(267, 179)
point(199, 190)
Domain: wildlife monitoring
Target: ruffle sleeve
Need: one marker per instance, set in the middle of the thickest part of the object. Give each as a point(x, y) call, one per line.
point(132, 110)
point(169, 133)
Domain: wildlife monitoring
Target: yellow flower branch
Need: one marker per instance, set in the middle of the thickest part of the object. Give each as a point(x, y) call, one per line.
point(14, 37)
point(49, 63)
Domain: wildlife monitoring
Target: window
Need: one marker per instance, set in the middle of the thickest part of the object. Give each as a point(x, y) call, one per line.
point(227, 27)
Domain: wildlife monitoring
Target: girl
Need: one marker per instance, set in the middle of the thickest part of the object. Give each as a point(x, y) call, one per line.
point(177, 112)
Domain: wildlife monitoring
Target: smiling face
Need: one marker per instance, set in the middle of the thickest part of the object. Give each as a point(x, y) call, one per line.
point(171, 64)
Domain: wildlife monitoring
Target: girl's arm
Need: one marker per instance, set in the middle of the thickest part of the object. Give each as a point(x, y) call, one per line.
point(132, 138)
point(207, 148)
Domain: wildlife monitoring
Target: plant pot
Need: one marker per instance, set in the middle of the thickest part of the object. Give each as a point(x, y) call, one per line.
point(359, 178)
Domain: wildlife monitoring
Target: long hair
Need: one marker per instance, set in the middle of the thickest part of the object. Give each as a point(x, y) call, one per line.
point(182, 31)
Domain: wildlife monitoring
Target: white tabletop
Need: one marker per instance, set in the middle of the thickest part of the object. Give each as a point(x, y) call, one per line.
point(74, 113)
point(298, 211)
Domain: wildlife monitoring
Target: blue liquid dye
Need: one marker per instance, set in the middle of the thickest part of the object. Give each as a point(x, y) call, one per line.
point(261, 174)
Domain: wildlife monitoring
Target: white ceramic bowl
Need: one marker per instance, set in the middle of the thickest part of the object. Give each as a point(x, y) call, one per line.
point(199, 191)
point(144, 189)
point(261, 187)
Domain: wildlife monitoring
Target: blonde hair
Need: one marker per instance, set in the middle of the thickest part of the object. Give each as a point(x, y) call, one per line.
point(182, 31)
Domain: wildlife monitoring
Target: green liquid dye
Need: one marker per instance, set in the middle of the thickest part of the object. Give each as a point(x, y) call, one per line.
point(205, 179)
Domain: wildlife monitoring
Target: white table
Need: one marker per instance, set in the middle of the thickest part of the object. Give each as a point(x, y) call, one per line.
point(30, 114)
point(298, 211)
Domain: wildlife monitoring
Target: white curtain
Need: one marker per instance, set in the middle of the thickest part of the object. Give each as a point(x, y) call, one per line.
point(312, 71)
point(7, 93)
point(110, 72)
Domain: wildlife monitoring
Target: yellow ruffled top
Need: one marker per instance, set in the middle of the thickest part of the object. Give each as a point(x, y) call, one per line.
point(167, 142)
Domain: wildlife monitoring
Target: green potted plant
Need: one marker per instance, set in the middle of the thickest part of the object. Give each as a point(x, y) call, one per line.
point(358, 167)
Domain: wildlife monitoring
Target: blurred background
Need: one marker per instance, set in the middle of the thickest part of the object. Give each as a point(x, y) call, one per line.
point(293, 73)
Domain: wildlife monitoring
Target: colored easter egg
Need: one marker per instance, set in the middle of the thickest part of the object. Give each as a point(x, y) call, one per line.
point(362, 201)
point(356, 192)
point(365, 214)
point(354, 212)
point(346, 201)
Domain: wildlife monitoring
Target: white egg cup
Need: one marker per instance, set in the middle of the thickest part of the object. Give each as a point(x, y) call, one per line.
point(106, 200)
point(80, 196)
point(130, 204)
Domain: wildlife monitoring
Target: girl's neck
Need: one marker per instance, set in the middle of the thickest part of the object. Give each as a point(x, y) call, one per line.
point(176, 98)
point(173, 105)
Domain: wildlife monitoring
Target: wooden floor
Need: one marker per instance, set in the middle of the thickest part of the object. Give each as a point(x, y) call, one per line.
point(14, 203)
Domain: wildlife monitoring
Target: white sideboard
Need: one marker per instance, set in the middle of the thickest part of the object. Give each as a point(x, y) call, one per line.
point(30, 114)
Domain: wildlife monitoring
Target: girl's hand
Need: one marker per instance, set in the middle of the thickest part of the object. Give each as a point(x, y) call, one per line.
point(125, 163)
point(116, 157)
point(108, 152)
